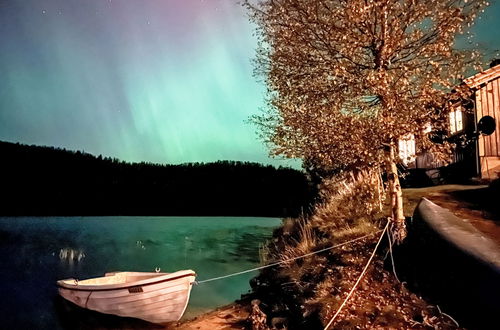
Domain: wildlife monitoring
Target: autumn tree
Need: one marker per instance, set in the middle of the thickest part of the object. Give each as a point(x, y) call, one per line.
point(348, 79)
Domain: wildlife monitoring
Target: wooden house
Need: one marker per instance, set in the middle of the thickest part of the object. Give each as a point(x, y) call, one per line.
point(486, 87)
point(476, 155)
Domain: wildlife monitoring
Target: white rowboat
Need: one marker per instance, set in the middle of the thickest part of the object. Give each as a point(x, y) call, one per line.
point(153, 297)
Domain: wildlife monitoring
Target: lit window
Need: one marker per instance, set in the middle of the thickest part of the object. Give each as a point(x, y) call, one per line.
point(407, 149)
point(456, 123)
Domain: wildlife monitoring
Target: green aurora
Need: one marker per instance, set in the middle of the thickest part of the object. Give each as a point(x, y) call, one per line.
point(157, 81)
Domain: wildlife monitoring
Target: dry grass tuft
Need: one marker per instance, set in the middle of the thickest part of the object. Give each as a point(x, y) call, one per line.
point(348, 200)
point(362, 227)
point(351, 204)
point(299, 239)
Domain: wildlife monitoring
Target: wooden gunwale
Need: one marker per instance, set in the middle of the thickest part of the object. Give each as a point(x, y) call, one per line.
point(125, 286)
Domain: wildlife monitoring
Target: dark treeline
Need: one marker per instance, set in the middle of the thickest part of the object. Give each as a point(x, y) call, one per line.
point(38, 180)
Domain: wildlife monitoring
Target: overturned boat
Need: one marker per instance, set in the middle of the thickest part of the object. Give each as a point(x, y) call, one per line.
point(153, 297)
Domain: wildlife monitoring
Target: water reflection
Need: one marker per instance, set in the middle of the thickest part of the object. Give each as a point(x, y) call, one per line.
point(36, 252)
point(70, 255)
point(72, 317)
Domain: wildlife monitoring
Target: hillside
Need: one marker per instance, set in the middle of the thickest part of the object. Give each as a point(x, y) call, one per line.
point(49, 181)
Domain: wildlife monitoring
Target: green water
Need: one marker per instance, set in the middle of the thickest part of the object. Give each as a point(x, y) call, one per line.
point(35, 252)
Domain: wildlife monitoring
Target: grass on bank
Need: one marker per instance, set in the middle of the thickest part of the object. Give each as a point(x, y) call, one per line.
point(307, 292)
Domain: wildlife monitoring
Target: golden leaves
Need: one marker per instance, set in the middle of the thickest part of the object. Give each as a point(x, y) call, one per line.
point(347, 77)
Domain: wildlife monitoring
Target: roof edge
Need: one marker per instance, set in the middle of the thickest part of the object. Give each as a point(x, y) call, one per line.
point(483, 77)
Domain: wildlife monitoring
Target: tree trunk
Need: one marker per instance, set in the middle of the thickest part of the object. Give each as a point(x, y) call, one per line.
point(396, 196)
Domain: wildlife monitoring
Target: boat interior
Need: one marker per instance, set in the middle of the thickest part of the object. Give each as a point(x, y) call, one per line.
point(115, 278)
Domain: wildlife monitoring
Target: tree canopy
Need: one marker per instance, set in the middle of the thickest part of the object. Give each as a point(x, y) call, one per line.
point(348, 79)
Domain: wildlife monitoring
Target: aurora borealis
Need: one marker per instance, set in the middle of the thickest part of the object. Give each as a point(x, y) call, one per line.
point(166, 81)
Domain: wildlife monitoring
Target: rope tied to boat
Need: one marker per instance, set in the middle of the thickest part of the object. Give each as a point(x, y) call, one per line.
point(288, 260)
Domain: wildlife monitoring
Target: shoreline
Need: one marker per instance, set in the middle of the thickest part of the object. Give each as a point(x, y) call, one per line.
point(229, 317)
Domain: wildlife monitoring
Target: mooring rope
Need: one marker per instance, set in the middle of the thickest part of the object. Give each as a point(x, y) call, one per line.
point(288, 260)
point(392, 257)
point(359, 278)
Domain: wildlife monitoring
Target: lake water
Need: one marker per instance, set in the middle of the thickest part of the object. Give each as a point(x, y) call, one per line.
point(36, 252)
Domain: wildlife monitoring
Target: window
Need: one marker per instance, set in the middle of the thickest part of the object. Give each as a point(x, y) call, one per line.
point(456, 123)
point(407, 149)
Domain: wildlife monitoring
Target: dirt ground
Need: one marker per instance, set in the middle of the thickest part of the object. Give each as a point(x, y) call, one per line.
point(229, 317)
point(471, 202)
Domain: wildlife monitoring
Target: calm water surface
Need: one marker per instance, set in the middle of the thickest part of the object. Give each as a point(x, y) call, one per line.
point(36, 252)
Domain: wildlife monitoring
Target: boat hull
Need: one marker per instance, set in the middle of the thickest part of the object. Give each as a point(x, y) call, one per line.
point(158, 299)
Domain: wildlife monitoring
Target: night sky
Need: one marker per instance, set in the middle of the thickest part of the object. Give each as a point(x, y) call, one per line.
point(167, 81)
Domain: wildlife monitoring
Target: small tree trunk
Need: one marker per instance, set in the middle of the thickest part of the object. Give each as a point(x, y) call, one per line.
point(396, 197)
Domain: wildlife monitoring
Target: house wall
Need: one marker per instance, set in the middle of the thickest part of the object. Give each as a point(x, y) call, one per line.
point(490, 167)
point(473, 157)
point(488, 104)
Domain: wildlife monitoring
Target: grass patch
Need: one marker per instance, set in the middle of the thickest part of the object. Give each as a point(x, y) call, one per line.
point(308, 291)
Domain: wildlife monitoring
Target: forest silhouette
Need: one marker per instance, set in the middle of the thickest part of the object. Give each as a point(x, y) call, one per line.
point(49, 181)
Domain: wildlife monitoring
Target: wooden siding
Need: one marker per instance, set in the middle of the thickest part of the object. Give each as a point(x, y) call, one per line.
point(490, 167)
point(483, 158)
point(488, 104)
